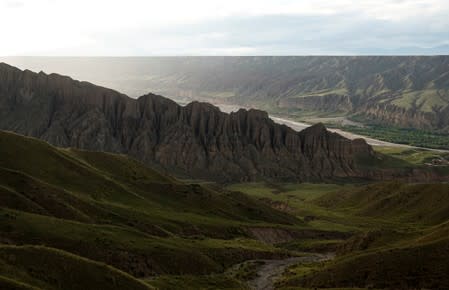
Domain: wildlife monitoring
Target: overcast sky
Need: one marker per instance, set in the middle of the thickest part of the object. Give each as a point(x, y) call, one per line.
point(223, 27)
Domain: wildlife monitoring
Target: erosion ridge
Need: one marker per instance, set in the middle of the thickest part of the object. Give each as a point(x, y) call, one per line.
point(193, 141)
point(197, 140)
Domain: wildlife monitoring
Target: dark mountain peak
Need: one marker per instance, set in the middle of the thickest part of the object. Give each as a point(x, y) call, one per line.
point(5, 66)
point(253, 113)
point(318, 129)
point(151, 97)
point(154, 100)
point(202, 106)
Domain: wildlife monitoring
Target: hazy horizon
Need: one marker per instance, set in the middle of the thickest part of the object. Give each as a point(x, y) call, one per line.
point(121, 73)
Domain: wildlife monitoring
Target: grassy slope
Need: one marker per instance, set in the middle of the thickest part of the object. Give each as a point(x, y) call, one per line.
point(426, 100)
point(406, 248)
point(111, 209)
point(414, 156)
point(401, 233)
point(411, 267)
point(300, 200)
point(423, 203)
point(297, 199)
point(118, 181)
point(190, 282)
point(47, 268)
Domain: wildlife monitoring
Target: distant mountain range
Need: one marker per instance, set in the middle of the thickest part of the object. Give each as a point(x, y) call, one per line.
point(194, 141)
point(404, 91)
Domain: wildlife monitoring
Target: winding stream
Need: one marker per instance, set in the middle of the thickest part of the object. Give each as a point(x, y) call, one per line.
point(268, 273)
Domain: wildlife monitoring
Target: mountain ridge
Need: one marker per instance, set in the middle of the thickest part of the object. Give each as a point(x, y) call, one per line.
point(195, 141)
point(403, 91)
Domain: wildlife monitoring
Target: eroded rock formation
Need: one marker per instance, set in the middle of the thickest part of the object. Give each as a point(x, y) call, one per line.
point(197, 140)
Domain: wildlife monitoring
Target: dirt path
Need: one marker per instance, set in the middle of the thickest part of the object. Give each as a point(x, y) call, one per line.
point(273, 269)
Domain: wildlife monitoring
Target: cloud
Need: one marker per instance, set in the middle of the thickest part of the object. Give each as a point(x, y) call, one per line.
point(200, 27)
point(14, 4)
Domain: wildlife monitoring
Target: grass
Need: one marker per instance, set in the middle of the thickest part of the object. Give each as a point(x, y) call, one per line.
point(126, 247)
point(412, 267)
point(395, 228)
point(301, 191)
point(216, 281)
point(107, 215)
point(112, 209)
point(409, 136)
point(7, 283)
point(288, 197)
point(313, 245)
point(48, 268)
point(425, 100)
point(401, 243)
point(298, 199)
point(413, 156)
point(103, 186)
point(423, 203)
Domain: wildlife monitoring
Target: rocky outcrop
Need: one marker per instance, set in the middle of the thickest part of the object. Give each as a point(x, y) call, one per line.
point(197, 140)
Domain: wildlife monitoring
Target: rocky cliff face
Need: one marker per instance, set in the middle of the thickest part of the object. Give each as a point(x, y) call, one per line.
point(197, 140)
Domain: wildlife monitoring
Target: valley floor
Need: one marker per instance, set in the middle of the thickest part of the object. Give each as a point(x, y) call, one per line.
point(272, 270)
point(298, 126)
point(398, 235)
point(117, 224)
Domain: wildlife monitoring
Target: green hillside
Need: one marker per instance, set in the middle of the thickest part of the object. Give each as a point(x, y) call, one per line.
point(37, 267)
point(402, 244)
point(426, 203)
point(413, 267)
point(71, 216)
point(111, 209)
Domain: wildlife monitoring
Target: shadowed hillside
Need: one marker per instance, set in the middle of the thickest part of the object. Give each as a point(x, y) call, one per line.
point(427, 203)
point(108, 208)
point(37, 267)
point(404, 245)
point(112, 209)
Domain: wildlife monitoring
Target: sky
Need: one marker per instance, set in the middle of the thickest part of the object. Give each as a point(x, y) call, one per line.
point(223, 27)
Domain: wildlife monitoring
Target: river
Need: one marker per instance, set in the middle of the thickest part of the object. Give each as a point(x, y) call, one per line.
point(271, 270)
point(298, 126)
